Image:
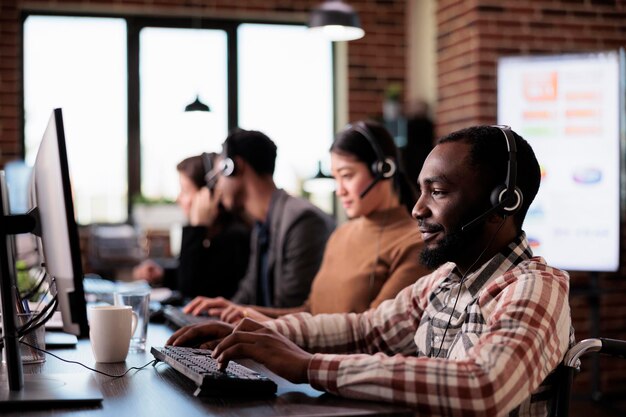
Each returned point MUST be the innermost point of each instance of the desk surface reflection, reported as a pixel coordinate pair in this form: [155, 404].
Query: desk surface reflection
[161, 391]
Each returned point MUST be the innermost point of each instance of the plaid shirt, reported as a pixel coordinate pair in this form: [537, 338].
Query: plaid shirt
[510, 328]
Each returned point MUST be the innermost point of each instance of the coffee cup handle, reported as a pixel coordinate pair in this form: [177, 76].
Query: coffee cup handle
[135, 320]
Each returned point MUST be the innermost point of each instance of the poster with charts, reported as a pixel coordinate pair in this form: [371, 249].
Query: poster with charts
[568, 107]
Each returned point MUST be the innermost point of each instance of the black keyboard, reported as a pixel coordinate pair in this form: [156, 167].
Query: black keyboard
[175, 316]
[202, 369]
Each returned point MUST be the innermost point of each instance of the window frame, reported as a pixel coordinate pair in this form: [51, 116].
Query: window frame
[134, 25]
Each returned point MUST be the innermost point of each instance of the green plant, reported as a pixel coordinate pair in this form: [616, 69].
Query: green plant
[25, 280]
[141, 199]
[393, 92]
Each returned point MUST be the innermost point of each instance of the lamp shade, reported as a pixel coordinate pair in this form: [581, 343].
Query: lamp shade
[320, 183]
[197, 105]
[336, 20]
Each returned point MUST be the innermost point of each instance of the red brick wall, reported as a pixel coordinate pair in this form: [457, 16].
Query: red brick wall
[375, 61]
[471, 36]
[10, 64]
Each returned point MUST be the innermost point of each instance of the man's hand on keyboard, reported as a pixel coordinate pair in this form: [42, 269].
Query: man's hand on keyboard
[205, 336]
[212, 306]
[251, 340]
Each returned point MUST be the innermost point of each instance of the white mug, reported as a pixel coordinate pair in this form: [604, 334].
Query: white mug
[110, 329]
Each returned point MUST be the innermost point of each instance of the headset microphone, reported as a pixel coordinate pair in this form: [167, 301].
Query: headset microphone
[469, 225]
[370, 186]
[507, 198]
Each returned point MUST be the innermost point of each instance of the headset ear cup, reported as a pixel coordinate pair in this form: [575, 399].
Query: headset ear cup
[385, 168]
[497, 195]
[519, 200]
[389, 168]
[228, 167]
[375, 168]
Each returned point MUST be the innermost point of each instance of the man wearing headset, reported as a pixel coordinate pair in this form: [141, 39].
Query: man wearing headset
[480, 335]
[290, 234]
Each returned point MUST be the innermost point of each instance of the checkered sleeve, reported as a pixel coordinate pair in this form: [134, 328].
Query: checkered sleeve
[389, 328]
[525, 335]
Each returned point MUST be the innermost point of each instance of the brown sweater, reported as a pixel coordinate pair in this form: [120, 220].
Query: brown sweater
[386, 244]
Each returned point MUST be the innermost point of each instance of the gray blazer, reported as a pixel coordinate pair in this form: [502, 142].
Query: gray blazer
[298, 234]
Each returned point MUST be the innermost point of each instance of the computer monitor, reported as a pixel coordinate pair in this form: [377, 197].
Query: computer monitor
[53, 220]
[51, 197]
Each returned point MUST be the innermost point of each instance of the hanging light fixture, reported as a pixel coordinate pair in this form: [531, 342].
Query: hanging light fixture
[197, 105]
[336, 20]
[320, 183]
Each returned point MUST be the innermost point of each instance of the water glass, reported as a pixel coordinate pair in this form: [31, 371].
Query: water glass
[139, 301]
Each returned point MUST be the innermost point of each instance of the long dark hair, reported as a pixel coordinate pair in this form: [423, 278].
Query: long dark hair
[193, 168]
[352, 142]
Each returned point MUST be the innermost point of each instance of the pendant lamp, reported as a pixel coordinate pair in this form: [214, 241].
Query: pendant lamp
[336, 20]
[320, 183]
[197, 105]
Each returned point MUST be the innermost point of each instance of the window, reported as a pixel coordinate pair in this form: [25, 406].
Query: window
[170, 78]
[79, 64]
[286, 91]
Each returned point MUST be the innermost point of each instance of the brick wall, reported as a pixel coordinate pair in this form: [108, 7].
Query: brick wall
[10, 64]
[471, 36]
[375, 61]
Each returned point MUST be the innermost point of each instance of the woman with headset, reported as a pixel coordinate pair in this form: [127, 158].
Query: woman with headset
[371, 257]
[215, 243]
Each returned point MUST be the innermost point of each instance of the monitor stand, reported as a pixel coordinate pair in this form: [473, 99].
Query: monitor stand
[47, 390]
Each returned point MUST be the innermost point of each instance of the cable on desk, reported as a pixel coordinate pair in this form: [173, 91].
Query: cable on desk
[39, 320]
[152, 362]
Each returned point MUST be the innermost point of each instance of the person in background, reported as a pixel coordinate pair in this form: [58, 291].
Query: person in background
[375, 254]
[481, 335]
[420, 135]
[289, 235]
[215, 243]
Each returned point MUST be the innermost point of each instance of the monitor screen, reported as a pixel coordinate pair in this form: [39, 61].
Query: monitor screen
[51, 195]
[569, 108]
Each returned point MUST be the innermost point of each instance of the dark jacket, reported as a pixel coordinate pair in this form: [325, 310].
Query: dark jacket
[212, 266]
[298, 234]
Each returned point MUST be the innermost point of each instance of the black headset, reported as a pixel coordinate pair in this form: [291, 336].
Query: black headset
[507, 198]
[228, 167]
[384, 167]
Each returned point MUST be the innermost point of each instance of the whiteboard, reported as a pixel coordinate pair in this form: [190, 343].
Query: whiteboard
[568, 107]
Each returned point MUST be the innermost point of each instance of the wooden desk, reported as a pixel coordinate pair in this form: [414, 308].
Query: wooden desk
[161, 391]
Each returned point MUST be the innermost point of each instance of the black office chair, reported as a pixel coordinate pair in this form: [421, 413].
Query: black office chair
[571, 365]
